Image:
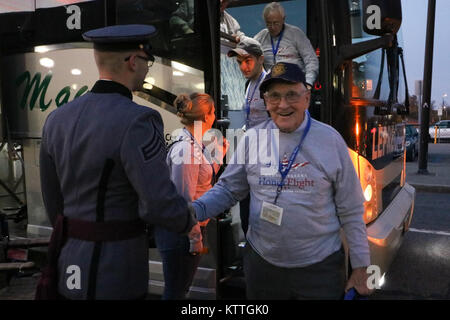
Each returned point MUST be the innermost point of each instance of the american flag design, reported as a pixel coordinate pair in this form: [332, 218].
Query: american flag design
[285, 163]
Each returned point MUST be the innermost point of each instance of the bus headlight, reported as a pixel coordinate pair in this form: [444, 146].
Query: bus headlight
[369, 185]
[368, 193]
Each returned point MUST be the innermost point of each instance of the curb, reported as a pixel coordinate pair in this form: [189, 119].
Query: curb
[431, 187]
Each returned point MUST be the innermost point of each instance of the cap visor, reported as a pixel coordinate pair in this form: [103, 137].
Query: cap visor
[264, 86]
[237, 52]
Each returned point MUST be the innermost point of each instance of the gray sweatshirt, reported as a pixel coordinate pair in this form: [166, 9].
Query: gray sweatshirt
[294, 47]
[322, 193]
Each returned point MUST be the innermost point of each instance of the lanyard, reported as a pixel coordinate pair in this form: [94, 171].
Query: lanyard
[284, 172]
[275, 49]
[213, 179]
[248, 100]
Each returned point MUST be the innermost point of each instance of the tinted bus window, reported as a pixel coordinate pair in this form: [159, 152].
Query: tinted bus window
[22, 31]
[370, 70]
[179, 35]
[179, 45]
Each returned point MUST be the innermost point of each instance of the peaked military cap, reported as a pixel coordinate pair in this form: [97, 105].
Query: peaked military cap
[283, 72]
[122, 37]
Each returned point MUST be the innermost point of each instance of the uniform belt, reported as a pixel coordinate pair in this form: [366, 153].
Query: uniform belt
[115, 230]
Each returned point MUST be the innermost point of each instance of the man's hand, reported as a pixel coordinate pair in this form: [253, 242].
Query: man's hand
[225, 147]
[195, 240]
[358, 280]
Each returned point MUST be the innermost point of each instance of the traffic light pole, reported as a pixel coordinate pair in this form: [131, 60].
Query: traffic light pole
[427, 79]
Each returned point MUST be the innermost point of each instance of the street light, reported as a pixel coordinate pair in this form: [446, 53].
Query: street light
[443, 105]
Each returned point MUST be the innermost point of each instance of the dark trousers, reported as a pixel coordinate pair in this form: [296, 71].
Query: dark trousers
[179, 266]
[323, 280]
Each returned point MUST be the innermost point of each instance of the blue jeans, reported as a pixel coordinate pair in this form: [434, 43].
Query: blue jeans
[179, 266]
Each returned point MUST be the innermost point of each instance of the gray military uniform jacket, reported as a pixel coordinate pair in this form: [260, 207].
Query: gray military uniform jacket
[77, 140]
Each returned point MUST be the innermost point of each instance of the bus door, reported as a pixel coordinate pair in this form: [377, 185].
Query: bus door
[248, 15]
[361, 91]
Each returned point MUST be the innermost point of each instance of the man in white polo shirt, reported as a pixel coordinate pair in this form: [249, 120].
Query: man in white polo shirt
[282, 42]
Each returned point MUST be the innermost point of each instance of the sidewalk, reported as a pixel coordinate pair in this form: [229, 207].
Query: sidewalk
[438, 179]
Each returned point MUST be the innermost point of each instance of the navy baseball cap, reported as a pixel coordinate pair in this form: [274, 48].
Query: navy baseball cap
[283, 72]
[246, 47]
[122, 37]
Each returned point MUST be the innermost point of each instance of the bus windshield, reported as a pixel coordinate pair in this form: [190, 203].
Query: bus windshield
[179, 45]
[370, 72]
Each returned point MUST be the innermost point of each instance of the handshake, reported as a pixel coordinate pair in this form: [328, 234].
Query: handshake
[195, 241]
[195, 236]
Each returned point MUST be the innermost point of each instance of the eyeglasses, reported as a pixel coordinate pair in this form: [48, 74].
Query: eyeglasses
[273, 24]
[290, 96]
[150, 60]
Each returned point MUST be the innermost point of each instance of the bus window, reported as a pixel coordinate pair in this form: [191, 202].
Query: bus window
[175, 71]
[179, 37]
[46, 23]
[366, 72]
[370, 74]
[368, 67]
[173, 78]
[182, 21]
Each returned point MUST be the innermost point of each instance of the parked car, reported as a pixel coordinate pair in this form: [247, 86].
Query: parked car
[411, 143]
[443, 130]
[399, 139]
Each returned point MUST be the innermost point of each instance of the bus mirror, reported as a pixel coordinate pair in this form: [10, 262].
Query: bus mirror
[382, 17]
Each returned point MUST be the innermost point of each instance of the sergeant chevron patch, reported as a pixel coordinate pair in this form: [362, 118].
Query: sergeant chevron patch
[153, 148]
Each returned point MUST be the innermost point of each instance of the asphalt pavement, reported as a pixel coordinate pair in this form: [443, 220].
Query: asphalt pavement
[421, 269]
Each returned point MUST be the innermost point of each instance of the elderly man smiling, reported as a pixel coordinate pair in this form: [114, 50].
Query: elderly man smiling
[294, 249]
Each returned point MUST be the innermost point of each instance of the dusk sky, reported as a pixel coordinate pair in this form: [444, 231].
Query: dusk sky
[414, 26]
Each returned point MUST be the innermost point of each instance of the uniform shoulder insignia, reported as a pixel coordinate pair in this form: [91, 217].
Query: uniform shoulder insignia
[154, 147]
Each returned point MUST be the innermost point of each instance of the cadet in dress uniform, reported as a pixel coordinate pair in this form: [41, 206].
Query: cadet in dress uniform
[103, 174]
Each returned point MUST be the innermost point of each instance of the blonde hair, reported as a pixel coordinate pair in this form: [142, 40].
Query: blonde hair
[193, 107]
[110, 61]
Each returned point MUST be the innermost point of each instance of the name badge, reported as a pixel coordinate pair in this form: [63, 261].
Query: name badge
[271, 213]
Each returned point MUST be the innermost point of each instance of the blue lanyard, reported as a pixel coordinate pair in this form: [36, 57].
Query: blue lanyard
[284, 172]
[275, 50]
[213, 179]
[249, 101]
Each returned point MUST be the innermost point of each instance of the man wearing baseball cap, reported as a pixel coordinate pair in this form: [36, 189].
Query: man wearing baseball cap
[104, 177]
[303, 190]
[249, 56]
